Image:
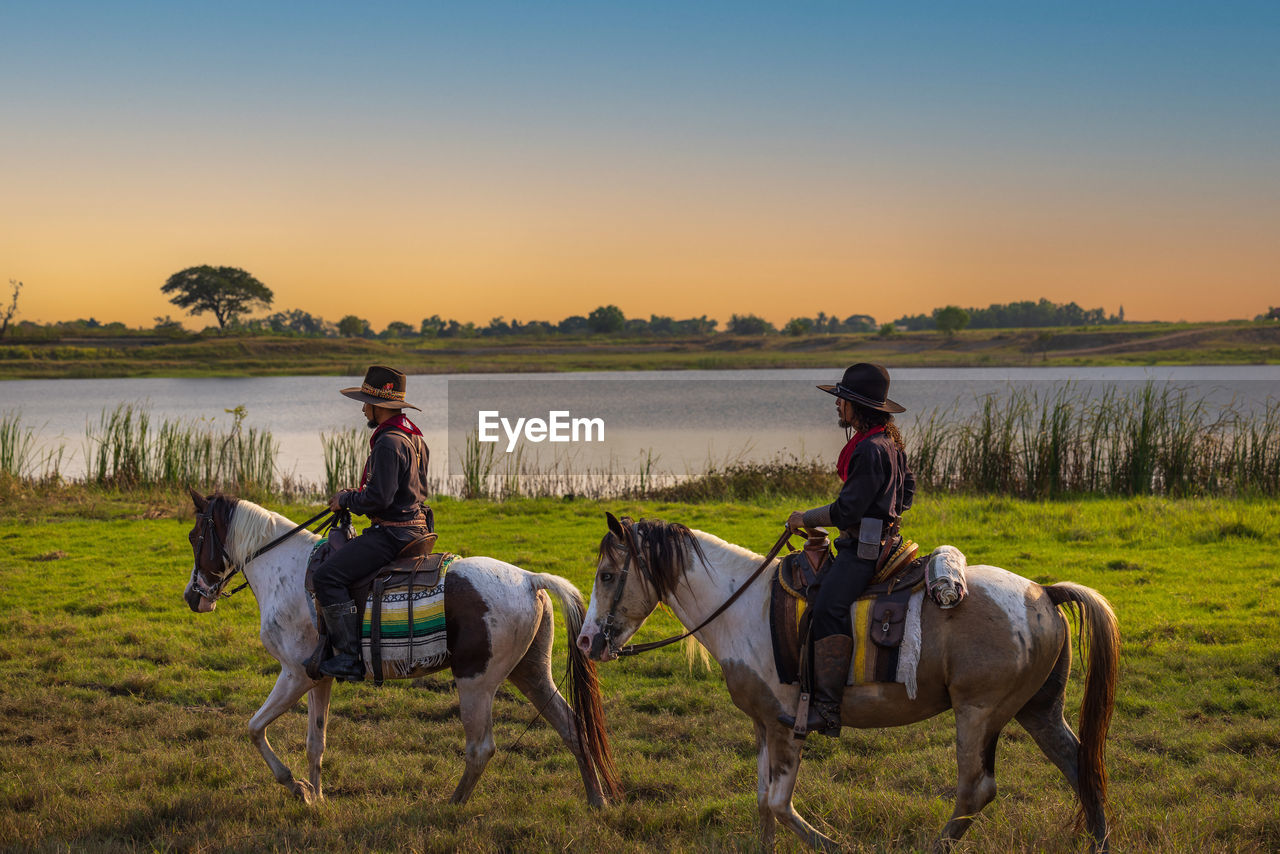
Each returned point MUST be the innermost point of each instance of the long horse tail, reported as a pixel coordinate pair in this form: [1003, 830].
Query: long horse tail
[584, 686]
[1100, 631]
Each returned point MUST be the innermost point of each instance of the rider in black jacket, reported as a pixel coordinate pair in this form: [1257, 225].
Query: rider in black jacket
[392, 493]
[878, 488]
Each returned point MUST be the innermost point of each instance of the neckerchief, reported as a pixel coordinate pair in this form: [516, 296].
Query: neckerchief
[846, 454]
[399, 422]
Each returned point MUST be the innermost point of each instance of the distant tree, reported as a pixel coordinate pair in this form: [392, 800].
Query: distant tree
[354, 327]
[168, 326]
[1272, 314]
[951, 319]
[397, 329]
[227, 292]
[574, 324]
[749, 324]
[12, 308]
[431, 326]
[859, 323]
[298, 322]
[887, 330]
[700, 325]
[606, 319]
[798, 326]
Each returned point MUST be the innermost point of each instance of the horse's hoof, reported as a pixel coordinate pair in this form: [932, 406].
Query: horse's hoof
[303, 791]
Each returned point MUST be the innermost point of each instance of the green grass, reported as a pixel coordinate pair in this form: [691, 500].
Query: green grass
[122, 714]
[1233, 342]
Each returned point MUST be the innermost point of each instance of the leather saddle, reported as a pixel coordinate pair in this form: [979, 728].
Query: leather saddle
[898, 568]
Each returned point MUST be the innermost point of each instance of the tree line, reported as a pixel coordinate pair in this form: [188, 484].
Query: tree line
[229, 294]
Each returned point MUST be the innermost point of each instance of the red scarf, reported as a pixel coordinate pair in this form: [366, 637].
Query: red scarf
[846, 455]
[398, 422]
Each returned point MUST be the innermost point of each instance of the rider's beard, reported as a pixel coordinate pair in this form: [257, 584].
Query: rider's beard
[373, 425]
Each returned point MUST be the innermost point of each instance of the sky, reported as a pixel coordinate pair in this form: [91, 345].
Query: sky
[532, 161]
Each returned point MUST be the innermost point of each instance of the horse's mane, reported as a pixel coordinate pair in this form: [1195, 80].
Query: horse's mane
[666, 548]
[248, 525]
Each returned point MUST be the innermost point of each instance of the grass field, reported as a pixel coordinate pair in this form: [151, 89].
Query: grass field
[122, 714]
[1229, 343]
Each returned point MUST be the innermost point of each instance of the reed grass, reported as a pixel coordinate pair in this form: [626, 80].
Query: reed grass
[124, 450]
[17, 446]
[344, 456]
[1158, 441]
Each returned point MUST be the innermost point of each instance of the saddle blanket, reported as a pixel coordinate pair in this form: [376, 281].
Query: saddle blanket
[412, 630]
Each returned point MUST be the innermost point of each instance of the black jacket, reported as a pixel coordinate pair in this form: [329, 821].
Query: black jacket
[879, 484]
[394, 486]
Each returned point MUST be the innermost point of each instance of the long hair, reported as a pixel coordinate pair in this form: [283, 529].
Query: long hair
[866, 418]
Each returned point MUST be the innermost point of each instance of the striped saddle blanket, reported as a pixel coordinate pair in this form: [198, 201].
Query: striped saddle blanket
[404, 626]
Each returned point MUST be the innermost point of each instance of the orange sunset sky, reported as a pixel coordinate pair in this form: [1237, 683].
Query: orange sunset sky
[535, 161]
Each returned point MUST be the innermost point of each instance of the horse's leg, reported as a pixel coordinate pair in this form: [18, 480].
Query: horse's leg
[977, 731]
[288, 689]
[767, 826]
[532, 675]
[475, 697]
[317, 725]
[1044, 719]
[784, 766]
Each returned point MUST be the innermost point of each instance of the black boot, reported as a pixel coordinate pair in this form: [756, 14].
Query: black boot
[831, 657]
[347, 663]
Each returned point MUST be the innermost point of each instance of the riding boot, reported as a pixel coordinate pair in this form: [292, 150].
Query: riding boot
[831, 656]
[347, 663]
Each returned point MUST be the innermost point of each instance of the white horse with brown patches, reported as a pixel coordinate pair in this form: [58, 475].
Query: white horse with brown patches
[1004, 654]
[498, 627]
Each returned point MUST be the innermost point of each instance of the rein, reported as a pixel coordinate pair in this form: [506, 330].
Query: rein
[634, 551]
[216, 591]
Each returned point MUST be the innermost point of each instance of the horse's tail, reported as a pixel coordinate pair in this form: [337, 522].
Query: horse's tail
[584, 686]
[1099, 629]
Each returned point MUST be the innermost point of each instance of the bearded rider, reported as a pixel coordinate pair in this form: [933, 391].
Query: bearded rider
[878, 488]
[392, 493]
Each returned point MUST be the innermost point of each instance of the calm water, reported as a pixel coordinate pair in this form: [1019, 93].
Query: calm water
[681, 420]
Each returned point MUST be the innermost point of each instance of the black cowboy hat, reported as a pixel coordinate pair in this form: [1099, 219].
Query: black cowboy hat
[866, 384]
[382, 386]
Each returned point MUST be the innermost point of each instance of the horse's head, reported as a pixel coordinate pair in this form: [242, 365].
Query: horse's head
[639, 565]
[208, 539]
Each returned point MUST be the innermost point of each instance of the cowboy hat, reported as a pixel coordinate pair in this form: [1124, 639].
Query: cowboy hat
[382, 386]
[866, 384]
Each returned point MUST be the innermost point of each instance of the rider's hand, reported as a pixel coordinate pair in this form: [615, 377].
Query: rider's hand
[333, 502]
[796, 520]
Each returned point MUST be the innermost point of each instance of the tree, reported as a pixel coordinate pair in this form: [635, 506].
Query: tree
[227, 292]
[798, 326]
[606, 319]
[749, 324]
[354, 327]
[397, 329]
[951, 319]
[12, 309]
[431, 326]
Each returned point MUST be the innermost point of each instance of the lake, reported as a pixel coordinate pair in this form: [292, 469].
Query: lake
[677, 422]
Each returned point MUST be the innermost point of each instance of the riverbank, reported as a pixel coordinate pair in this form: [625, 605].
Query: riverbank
[122, 726]
[1236, 343]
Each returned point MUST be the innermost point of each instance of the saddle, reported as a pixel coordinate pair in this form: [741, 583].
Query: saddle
[878, 616]
[416, 566]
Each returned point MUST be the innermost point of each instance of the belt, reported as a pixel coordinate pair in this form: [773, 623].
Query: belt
[416, 522]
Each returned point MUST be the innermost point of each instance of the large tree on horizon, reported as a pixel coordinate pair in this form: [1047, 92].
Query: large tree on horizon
[227, 292]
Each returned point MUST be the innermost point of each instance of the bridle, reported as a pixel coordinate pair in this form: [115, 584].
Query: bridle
[208, 529]
[609, 627]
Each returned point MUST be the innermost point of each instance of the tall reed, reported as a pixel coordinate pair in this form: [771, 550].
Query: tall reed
[344, 456]
[17, 446]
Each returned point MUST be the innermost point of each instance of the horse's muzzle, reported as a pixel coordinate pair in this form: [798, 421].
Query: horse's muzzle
[196, 602]
[594, 646]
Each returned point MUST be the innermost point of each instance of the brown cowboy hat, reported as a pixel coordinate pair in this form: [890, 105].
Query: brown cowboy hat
[866, 384]
[382, 386]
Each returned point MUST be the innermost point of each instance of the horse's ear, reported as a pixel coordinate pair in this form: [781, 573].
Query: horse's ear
[199, 500]
[615, 526]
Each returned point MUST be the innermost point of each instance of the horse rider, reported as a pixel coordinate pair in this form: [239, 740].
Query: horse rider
[392, 493]
[878, 488]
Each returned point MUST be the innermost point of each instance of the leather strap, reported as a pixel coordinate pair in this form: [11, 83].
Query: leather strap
[637, 648]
